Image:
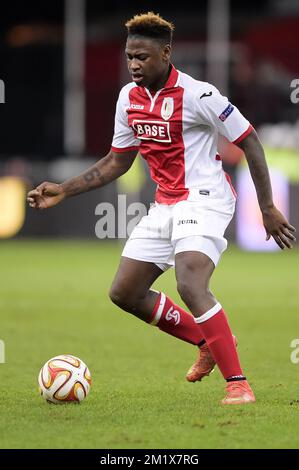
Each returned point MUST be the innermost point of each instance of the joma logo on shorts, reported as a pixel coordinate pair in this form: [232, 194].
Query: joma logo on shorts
[187, 221]
[152, 130]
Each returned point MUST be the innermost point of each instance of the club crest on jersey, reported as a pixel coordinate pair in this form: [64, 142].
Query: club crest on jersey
[152, 130]
[167, 108]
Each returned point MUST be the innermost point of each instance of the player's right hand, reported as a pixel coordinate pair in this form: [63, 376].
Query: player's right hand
[45, 195]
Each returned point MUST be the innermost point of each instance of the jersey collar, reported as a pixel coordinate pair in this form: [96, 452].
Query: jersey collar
[173, 78]
[172, 81]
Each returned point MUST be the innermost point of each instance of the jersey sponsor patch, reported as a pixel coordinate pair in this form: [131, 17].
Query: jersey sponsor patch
[152, 130]
[228, 110]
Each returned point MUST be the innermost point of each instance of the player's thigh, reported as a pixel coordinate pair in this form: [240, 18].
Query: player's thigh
[196, 258]
[134, 278]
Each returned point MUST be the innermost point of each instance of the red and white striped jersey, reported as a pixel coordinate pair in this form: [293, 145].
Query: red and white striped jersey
[176, 130]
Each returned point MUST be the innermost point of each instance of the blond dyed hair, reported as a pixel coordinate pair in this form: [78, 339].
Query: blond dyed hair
[150, 25]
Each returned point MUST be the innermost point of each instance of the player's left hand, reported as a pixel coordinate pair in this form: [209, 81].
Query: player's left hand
[277, 226]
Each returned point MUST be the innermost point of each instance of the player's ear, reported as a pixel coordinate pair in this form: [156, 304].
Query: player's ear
[166, 52]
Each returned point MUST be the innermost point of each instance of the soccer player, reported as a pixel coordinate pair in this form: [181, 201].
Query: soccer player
[174, 120]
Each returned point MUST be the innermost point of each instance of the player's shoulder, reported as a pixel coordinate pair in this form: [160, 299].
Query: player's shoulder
[125, 90]
[197, 87]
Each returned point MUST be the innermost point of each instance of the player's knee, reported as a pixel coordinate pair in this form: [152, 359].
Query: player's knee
[192, 295]
[117, 296]
[185, 291]
[121, 298]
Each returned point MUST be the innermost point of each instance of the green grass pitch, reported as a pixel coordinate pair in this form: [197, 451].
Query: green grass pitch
[54, 300]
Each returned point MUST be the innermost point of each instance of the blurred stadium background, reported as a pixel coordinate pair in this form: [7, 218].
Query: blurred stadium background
[61, 67]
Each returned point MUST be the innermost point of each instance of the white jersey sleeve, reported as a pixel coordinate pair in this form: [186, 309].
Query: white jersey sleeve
[216, 111]
[123, 138]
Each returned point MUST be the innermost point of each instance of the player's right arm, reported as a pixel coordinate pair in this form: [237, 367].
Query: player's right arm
[117, 162]
[109, 168]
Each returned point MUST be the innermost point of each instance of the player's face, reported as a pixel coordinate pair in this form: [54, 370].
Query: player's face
[148, 62]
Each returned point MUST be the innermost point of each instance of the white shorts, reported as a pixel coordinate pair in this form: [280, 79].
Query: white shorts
[197, 224]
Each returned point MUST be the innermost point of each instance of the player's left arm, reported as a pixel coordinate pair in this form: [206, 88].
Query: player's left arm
[215, 110]
[276, 225]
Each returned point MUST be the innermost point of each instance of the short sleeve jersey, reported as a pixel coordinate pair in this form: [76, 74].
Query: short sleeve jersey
[176, 131]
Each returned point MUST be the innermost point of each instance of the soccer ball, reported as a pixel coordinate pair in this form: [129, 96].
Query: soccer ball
[64, 379]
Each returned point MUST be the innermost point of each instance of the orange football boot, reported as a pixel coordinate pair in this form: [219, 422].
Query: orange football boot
[238, 392]
[204, 365]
